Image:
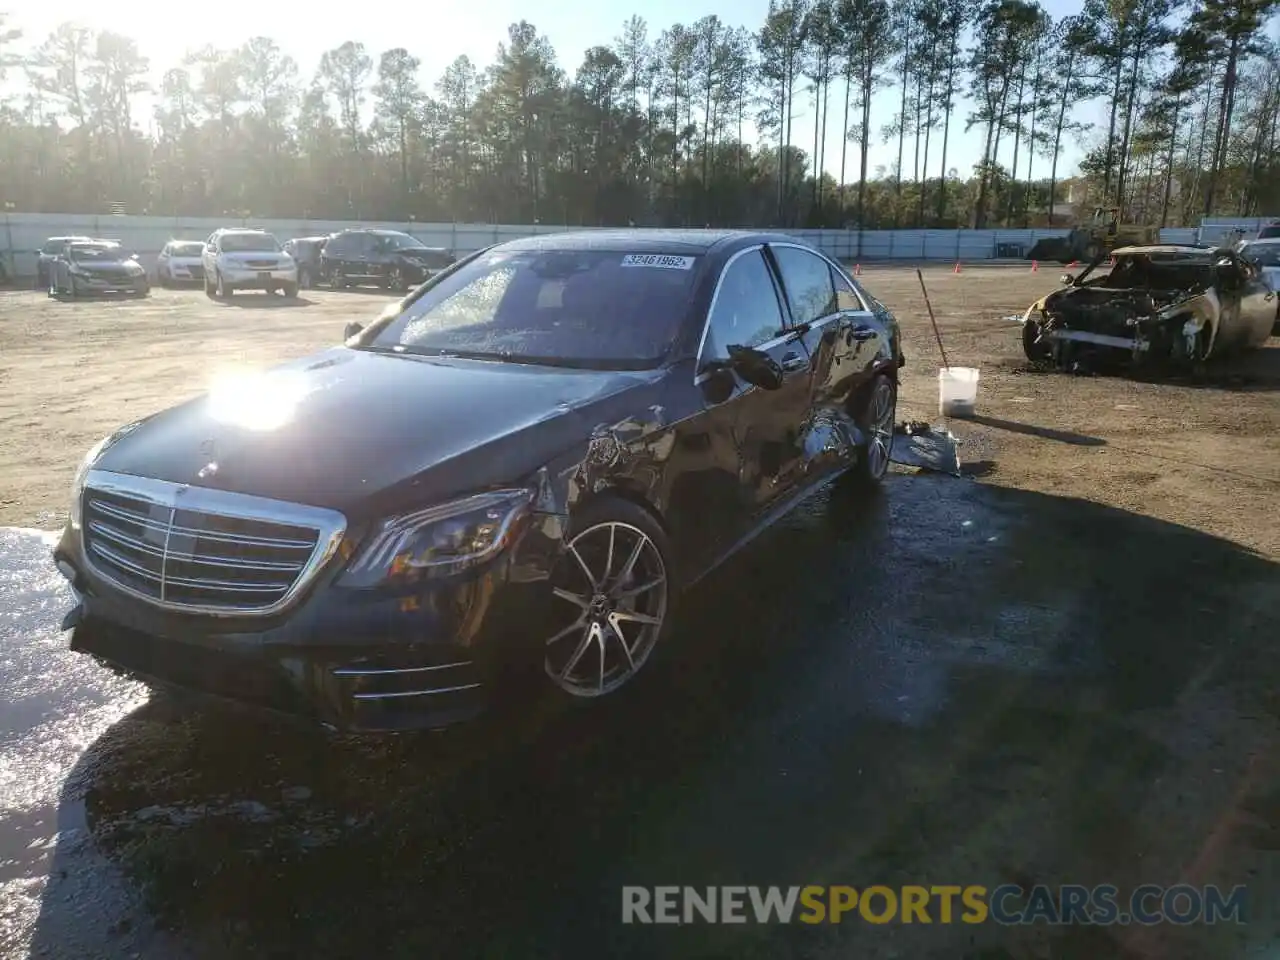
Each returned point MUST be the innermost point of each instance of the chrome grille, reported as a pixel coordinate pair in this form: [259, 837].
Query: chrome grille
[262, 264]
[203, 550]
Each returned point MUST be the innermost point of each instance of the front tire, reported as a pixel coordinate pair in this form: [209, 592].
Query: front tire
[1036, 350]
[613, 585]
[877, 423]
[290, 290]
[222, 289]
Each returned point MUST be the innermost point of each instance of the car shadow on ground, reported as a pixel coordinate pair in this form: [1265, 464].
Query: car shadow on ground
[1046, 433]
[1252, 371]
[377, 291]
[948, 683]
[264, 301]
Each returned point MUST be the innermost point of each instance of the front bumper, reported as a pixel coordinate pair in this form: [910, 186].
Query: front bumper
[253, 279]
[1133, 344]
[123, 284]
[184, 272]
[350, 660]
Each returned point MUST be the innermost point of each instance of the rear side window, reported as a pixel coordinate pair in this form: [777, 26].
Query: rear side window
[806, 278]
[847, 296]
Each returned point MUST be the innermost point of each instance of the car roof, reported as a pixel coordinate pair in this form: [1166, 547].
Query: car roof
[644, 240]
[241, 230]
[64, 239]
[1184, 248]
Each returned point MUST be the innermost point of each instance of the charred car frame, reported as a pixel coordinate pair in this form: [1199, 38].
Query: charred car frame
[1154, 305]
[522, 461]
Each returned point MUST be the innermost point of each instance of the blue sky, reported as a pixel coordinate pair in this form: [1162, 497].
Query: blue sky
[437, 32]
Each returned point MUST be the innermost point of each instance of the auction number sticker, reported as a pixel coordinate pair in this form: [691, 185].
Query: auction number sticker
[661, 260]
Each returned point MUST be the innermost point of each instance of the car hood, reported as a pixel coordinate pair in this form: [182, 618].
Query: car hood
[369, 433]
[108, 266]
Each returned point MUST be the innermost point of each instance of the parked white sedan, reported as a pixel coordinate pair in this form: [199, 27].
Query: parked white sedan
[180, 261]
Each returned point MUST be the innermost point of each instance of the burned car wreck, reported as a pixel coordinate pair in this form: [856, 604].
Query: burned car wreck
[1152, 305]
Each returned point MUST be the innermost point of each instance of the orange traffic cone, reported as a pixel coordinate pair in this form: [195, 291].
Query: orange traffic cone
[857, 269]
[957, 269]
[1035, 266]
[1073, 263]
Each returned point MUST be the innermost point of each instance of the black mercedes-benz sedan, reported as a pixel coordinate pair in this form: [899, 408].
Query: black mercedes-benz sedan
[521, 462]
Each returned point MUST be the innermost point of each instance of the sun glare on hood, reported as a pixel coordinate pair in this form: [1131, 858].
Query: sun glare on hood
[256, 401]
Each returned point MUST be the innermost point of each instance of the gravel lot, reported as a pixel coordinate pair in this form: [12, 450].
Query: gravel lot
[1061, 670]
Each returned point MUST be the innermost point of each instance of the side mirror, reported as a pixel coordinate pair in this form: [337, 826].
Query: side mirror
[1067, 279]
[351, 329]
[756, 367]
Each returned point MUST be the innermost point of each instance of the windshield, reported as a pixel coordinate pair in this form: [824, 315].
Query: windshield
[95, 251]
[249, 243]
[589, 308]
[188, 249]
[1263, 254]
[398, 241]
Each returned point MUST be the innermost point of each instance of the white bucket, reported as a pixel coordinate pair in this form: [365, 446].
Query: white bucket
[957, 391]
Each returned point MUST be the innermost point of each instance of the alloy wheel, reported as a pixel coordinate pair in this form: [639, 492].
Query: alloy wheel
[614, 576]
[880, 414]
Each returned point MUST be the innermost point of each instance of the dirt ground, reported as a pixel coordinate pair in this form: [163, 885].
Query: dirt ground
[1206, 456]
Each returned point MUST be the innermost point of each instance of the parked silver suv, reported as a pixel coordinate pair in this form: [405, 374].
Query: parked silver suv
[246, 259]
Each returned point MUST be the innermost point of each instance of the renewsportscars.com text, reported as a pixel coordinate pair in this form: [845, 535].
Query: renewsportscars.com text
[1008, 904]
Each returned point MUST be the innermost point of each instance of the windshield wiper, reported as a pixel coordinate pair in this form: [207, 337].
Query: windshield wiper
[509, 356]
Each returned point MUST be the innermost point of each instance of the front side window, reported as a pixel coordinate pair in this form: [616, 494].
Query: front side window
[806, 277]
[746, 312]
[1263, 254]
[589, 308]
[398, 241]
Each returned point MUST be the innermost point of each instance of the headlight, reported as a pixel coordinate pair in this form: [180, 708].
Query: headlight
[441, 539]
[82, 474]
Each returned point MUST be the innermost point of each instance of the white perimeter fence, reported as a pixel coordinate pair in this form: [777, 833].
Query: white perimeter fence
[21, 234]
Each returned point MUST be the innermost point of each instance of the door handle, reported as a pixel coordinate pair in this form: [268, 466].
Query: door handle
[862, 333]
[793, 361]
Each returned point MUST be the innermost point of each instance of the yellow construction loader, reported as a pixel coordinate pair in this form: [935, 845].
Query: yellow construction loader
[1102, 234]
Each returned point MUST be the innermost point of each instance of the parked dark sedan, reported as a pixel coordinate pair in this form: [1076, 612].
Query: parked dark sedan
[95, 267]
[389, 258]
[522, 462]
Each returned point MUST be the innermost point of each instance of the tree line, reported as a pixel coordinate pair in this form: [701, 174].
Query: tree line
[656, 128]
